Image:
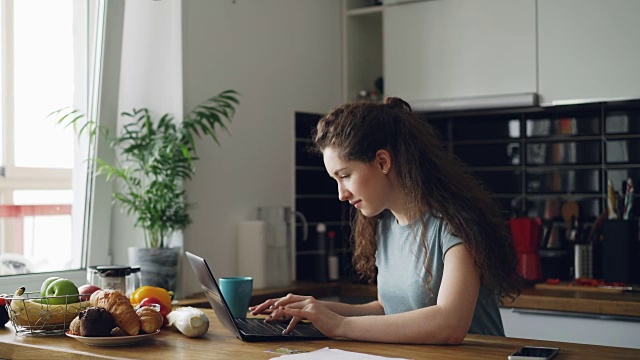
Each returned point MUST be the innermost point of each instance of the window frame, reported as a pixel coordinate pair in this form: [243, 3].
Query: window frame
[100, 102]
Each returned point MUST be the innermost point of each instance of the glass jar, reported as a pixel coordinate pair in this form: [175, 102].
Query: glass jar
[111, 277]
[134, 280]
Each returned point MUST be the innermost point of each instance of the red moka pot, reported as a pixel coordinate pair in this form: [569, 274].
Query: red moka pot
[526, 233]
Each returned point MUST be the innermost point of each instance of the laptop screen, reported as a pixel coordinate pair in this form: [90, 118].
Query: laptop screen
[212, 291]
[252, 329]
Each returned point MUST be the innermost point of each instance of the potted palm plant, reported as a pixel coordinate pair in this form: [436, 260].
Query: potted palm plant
[153, 160]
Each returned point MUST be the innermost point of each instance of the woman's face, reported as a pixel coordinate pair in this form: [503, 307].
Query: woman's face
[364, 185]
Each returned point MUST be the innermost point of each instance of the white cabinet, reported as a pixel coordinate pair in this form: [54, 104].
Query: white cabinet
[588, 50]
[459, 48]
[570, 327]
[363, 46]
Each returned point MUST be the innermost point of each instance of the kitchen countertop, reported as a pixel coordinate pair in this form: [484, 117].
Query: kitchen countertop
[626, 304]
[219, 343]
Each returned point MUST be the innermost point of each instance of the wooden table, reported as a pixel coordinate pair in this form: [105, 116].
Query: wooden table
[219, 343]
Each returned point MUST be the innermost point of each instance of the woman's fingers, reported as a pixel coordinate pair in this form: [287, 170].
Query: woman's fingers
[273, 315]
[264, 308]
[290, 299]
[268, 306]
[276, 314]
[294, 321]
[283, 313]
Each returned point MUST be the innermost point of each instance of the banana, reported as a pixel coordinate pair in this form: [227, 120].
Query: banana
[28, 313]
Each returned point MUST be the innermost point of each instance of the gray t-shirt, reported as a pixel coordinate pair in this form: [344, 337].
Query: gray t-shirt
[402, 276]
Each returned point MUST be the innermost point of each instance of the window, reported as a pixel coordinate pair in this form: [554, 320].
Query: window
[52, 58]
[37, 160]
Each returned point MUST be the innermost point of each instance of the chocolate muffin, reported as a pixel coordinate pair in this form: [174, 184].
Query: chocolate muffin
[94, 321]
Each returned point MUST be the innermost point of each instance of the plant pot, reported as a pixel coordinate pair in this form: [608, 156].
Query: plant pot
[159, 267]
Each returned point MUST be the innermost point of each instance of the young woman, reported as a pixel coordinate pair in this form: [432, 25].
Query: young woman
[425, 228]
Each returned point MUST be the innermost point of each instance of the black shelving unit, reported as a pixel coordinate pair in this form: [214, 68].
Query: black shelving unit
[317, 198]
[532, 159]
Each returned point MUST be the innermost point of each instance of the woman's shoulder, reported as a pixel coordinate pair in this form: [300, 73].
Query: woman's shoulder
[432, 219]
[436, 224]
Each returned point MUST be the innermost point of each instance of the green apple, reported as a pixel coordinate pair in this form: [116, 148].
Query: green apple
[46, 283]
[62, 287]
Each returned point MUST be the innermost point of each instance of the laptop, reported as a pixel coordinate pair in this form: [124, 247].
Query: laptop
[249, 329]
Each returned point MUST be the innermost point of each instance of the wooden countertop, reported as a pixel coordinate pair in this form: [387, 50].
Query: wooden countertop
[625, 304]
[578, 301]
[219, 343]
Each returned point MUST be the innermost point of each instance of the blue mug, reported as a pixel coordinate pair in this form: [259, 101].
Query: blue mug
[236, 291]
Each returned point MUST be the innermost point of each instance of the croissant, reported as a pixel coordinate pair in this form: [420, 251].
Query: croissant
[150, 319]
[120, 308]
[74, 327]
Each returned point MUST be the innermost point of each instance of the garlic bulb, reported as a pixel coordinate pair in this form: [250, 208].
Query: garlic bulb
[190, 321]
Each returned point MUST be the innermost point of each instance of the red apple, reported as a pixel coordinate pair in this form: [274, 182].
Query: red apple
[4, 316]
[86, 291]
[164, 310]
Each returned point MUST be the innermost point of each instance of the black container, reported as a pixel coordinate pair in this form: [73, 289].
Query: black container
[555, 264]
[620, 251]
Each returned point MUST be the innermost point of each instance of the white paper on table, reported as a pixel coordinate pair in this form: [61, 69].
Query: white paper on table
[334, 354]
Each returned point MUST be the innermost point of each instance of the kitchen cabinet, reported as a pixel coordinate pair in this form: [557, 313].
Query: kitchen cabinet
[571, 327]
[362, 46]
[459, 48]
[588, 50]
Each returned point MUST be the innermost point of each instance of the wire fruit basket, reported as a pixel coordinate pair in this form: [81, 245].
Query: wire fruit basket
[31, 314]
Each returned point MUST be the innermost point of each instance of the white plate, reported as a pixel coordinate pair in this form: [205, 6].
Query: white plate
[111, 340]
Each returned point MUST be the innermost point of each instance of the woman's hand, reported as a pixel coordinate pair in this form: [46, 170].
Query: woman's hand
[297, 308]
[269, 306]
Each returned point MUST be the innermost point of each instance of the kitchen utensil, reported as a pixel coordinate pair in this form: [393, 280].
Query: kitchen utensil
[526, 237]
[611, 201]
[583, 261]
[551, 238]
[111, 340]
[620, 251]
[134, 281]
[620, 205]
[237, 293]
[628, 199]
[112, 277]
[570, 209]
[526, 233]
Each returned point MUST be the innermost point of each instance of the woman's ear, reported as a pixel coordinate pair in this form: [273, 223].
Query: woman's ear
[383, 160]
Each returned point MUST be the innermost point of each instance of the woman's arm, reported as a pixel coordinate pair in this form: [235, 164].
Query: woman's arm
[447, 322]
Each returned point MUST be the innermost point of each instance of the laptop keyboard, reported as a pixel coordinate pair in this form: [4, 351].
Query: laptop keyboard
[258, 326]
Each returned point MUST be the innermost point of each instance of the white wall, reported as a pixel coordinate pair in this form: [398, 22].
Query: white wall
[282, 55]
[151, 76]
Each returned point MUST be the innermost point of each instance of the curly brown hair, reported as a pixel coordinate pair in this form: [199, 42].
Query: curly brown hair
[431, 179]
